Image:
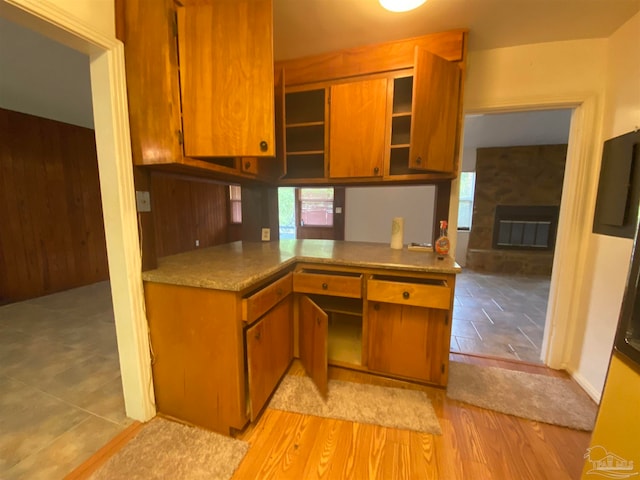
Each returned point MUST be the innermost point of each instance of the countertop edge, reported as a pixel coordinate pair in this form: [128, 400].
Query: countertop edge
[153, 276]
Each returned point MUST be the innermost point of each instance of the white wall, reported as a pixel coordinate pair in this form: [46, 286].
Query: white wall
[369, 211]
[43, 78]
[610, 256]
[99, 14]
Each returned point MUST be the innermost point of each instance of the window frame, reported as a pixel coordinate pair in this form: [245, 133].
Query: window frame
[466, 199]
[300, 201]
[232, 202]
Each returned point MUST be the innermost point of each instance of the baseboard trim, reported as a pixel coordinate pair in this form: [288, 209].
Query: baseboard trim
[99, 458]
[595, 395]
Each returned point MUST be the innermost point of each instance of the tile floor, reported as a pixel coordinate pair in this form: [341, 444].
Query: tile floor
[61, 393]
[500, 315]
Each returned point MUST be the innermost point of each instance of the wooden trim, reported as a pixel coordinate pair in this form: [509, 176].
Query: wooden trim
[372, 58]
[95, 461]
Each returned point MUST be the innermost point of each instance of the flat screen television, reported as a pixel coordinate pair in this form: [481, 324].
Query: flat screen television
[627, 340]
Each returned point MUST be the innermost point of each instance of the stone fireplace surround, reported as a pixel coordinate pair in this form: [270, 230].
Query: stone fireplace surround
[523, 175]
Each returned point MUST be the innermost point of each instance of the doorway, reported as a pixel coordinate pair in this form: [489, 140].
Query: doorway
[82, 29]
[60, 366]
[502, 295]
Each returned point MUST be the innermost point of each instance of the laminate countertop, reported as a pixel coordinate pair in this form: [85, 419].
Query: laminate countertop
[239, 265]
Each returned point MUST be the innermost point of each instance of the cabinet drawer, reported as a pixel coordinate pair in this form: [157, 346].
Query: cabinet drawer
[416, 292]
[328, 283]
[260, 302]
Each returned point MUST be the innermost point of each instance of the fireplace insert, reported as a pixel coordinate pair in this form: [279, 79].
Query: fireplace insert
[525, 227]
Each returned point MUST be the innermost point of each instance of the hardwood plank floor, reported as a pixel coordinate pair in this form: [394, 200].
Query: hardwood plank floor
[475, 443]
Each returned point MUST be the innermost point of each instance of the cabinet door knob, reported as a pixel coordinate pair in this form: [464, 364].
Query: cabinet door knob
[263, 146]
[419, 160]
[318, 320]
[405, 295]
[247, 165]
[376, 307]
[325, 286]
[257, 335]
[376, 170]
[279, 291]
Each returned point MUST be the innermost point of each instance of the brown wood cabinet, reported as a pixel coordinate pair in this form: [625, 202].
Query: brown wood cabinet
[366, 120]
[409, 327]
[202, 372]
[357, 125]
[389, 323]
[226, 78]
[200, 81]
[269, 353]
[217, 355]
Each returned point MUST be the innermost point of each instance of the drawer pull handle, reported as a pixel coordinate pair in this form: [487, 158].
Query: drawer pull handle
[263, 146]
[279, 291]
[247, 165]
[419, 160]
[325, 286]
[405, 295]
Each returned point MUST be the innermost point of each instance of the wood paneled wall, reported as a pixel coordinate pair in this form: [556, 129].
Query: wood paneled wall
[50, 209]
[186, 209]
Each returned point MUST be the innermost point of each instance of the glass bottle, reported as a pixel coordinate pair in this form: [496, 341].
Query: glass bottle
[442, 243]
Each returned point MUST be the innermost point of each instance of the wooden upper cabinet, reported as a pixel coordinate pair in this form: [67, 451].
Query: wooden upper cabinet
[357, 126]
[151, 61]
[227, 78]
[435, 113]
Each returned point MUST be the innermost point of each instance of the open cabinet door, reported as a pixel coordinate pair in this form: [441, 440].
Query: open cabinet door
[436, 109]
[314, 325]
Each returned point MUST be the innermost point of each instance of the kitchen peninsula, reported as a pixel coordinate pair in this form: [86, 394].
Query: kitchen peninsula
[226, 321]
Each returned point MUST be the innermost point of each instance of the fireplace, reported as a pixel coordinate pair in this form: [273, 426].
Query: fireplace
[525, 227]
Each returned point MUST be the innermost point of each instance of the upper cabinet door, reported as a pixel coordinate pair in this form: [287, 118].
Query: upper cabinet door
[357, 126]
[435, 113]
[226, 78]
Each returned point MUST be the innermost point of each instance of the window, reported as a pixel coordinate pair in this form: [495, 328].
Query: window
[465, 208]
[235, 204]
[316, 207]
[287, 212]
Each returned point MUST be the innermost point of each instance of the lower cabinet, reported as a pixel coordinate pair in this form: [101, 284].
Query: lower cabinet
[392, 324]
[409, 342]
[269, 353]
[409, 327]
[218, 355]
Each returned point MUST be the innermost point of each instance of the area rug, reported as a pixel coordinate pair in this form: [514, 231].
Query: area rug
[536, 397]
[165, 449]
[356, 402]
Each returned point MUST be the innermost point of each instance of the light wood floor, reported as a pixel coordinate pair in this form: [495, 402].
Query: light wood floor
[476, 443]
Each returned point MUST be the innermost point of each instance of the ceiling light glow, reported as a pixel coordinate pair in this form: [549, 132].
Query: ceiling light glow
[401, 5]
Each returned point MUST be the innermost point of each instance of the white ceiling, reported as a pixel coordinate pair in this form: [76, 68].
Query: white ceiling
[304, 27]
[543, 127]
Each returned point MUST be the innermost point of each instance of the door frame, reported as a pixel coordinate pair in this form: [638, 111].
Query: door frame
[115, 165]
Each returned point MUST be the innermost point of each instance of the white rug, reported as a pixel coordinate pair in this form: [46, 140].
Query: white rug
[164, 449]
[558, 401]
[356, 402]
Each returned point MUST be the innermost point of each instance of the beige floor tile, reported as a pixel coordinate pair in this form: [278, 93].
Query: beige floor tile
[66, 452]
